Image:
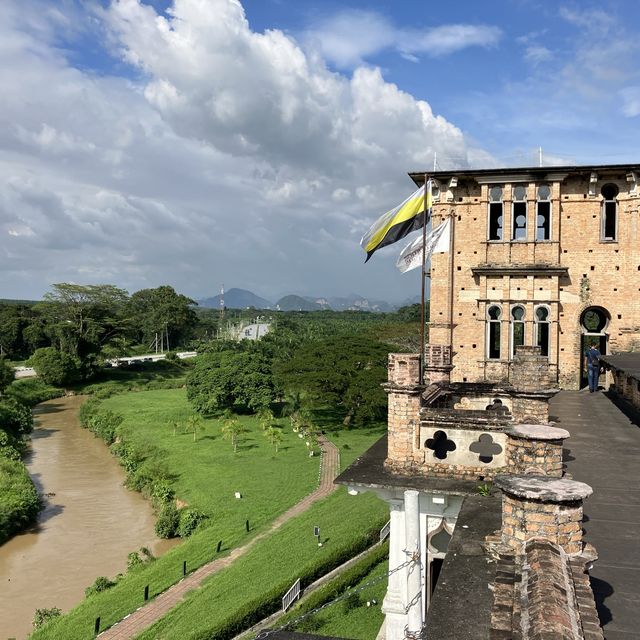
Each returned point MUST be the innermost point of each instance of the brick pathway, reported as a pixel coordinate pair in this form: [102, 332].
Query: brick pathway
[144, 617]
[604, 452]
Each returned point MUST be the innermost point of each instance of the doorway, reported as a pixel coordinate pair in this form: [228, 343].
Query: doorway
[593, 325]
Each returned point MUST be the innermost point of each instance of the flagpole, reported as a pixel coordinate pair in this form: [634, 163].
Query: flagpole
[423, 278]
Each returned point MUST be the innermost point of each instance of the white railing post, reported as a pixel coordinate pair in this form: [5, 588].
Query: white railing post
[291, 595]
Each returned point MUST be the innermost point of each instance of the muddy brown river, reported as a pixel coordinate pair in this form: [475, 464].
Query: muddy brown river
[89, 525]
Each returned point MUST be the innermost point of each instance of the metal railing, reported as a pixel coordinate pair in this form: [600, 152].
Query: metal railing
[291, 595]
[384, 532]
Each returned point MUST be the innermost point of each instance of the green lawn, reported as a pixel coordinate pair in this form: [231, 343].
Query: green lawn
[267, 571]
[206, 475]
[207, 472]
[352, 618]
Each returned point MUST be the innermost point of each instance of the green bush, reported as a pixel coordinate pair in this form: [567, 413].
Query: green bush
[190, 519]
[32, 391]
[19, 500]
[104, 423]
[89, 408]
[56, 367]
[352, 601]
[42, 616]
[168, 521]
[101, 583]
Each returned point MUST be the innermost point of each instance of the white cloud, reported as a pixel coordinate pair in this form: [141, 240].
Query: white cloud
[351, 36]
[535, 54]
[630, 101]
[222, 164]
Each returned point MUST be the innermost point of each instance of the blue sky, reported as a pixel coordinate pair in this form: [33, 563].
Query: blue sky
[197, 142]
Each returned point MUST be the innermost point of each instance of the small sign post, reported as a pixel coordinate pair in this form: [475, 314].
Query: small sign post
[316, 533]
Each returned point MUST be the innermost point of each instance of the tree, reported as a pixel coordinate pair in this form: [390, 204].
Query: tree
[344, 372]
[55, 367]
[194, 424]
[274, 436]
[232, 429]
[266, 418]
[222, 380]
[81, 319]
[7, 374]
[162, 311]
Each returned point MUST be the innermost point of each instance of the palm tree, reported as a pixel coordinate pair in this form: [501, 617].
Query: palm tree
[266, 418]
[232, 429]
[274, 435]
[194, 423]
[293, 402]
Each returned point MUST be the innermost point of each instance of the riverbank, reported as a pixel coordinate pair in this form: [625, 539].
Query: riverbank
[88, 526]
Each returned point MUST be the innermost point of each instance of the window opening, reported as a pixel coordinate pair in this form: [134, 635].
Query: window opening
[493, 332]
[495, 213]
[519, 213]
[609, 212]
[543, 213]
[517, 328]
[542, 330]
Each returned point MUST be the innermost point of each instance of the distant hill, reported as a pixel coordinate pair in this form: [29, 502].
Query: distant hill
[237, 299]
[298, 303]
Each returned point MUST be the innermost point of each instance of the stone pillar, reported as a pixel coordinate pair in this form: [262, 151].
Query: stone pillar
[393, 604]
[414, 571]
[534, 449]
[437, 363]
[404, 390]
[542, 507]
[529, 370]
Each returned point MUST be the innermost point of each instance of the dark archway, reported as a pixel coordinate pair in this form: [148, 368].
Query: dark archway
[593, 327]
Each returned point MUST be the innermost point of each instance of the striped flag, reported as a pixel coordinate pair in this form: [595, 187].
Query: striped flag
[437, 241]
[397, 223]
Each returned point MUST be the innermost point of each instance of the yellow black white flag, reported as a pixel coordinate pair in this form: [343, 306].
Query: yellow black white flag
[437, 241]
[397, 223]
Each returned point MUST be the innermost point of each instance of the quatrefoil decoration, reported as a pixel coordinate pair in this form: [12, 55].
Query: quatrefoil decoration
[440, 445]
[486, 448]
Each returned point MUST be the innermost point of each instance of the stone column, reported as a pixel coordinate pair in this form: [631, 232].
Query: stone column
[404, 390]
[414, 571]
[393, 604]
[542, 507]
[535, 449]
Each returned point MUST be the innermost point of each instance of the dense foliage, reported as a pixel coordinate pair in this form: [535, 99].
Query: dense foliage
[19, 500]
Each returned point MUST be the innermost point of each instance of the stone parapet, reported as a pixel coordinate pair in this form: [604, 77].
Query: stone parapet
[542, 507]
[535, 449]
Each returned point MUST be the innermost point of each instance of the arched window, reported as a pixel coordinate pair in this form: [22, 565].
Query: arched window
[517, 328]
[609, 214]
[541, 337]
[519, 213]
[493, 331]
[543, 213]
[495, 213]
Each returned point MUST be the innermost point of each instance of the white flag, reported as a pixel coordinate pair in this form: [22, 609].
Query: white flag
[437, 241]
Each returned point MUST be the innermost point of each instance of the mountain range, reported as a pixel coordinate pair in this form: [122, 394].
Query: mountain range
[241, 299]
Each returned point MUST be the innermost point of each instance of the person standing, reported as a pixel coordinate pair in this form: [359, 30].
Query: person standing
[592, 362]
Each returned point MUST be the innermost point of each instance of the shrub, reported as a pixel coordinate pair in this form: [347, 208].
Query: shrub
[56, 367]
[168, 521]
[162, 492]
[190, 519]
[104, 423]
[139, 558]
[352, 601]
[88, 409]
[101, 583]
[19, 500]
[32, 391]
[42, 616]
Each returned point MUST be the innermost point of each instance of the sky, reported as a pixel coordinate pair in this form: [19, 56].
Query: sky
[202, 142]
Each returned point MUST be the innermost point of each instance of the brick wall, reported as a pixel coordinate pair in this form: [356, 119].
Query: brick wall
[535, 449]
[600, 273]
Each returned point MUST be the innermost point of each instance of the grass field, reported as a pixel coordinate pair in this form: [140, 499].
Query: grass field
[353, 618]
[206, 473]
[270, 568]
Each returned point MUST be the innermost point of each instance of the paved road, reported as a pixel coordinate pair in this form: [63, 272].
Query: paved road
[604, 452]
[144, 617]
